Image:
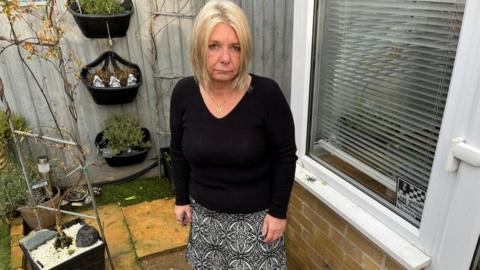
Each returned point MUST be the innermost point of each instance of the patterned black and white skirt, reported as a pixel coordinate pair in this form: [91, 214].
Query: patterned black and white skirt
[220, 241]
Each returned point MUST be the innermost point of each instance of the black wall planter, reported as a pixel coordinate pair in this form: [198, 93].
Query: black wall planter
[111, 95]
[95, 26]
[124, 159]
[91, 259]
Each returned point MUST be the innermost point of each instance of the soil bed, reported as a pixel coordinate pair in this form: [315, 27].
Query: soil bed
[167, 261]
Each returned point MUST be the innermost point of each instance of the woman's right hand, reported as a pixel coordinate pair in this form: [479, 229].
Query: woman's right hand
[183, 214]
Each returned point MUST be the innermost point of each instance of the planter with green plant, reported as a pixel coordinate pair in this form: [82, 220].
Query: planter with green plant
[44, 218]
[123, 141]
[43, 39]
[102, 19]
[13, 189]
[14, 199]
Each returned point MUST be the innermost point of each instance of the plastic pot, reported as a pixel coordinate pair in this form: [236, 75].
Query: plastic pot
[123, 159]
[46, 217]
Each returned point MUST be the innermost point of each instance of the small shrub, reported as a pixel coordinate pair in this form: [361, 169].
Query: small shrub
[124, 134]
[102, 7]
[12, 191]
[18, 122]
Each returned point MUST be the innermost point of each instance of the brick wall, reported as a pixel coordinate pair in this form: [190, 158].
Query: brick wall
[319, 239]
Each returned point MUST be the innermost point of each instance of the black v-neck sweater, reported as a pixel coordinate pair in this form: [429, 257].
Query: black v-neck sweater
[241, 163]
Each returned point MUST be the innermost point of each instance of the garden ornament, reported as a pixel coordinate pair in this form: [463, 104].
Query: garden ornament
[114, 82]
[97, 82]
[86, 236]
[37, 238]
[131, 80]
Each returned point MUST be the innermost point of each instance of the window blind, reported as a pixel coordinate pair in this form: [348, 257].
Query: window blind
[382, 74]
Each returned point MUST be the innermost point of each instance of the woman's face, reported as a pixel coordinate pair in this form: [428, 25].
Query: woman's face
[223, 58]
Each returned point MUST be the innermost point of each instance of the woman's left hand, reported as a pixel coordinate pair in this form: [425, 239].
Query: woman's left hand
[273, 228]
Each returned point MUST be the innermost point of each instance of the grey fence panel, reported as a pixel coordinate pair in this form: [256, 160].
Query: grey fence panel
[157, 41]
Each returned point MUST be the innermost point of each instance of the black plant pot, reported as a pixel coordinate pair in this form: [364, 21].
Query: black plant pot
[165, 159]
[111, 95]
[99, 26]
[123, 159]
[91, 259]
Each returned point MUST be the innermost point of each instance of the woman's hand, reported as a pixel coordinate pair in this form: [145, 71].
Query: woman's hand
[183, 214]
[273, 228]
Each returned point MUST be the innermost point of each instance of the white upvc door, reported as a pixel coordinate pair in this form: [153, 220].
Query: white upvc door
[450, 225]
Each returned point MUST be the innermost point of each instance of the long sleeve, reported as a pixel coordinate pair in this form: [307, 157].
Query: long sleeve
[281, 140]
[181, 169]
[241, 163]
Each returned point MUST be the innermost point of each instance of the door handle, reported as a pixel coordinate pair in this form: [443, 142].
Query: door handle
[461, 151]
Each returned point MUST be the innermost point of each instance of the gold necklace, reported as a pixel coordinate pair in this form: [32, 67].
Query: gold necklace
[218, 108]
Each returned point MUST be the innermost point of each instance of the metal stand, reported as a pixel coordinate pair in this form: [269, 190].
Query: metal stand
[87, 180]
[163, 130]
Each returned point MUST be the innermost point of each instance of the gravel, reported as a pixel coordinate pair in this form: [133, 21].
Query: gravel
[50, 257]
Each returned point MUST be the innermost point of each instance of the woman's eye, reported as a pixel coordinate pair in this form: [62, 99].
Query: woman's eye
[236, 48]
[213, 46]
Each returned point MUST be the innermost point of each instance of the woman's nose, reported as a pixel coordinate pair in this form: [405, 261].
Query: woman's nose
[225, 56]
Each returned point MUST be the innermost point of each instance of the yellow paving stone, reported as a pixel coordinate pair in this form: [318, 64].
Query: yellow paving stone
[115, 228]
[16, 230]
[17, 221]
[16, 257]
[153, 227]
[14, 240]
[126, 261]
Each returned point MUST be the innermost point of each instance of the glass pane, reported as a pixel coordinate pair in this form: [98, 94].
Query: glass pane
[381, 75]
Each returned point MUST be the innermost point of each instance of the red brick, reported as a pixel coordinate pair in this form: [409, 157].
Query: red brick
[296, 202]
[331, 217]
[365, 245]
[302, 220]
[329, 245]
[351, 263]
[313, 216]
[369, 264]
[307, 197]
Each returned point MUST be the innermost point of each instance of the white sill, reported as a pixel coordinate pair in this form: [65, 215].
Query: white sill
[393, 244]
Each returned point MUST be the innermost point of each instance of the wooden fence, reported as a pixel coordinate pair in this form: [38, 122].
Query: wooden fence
[162, 57]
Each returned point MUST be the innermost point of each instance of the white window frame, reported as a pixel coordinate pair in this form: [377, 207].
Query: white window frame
[428, 237]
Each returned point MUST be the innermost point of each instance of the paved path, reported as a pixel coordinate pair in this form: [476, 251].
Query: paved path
[153, 228]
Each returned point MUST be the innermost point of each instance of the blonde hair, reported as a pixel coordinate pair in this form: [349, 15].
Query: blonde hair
[213, 13]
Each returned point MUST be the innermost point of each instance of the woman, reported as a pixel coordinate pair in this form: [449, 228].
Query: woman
[233, 149]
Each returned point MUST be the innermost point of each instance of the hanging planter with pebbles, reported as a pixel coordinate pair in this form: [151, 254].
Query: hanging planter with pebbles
[110, 79]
